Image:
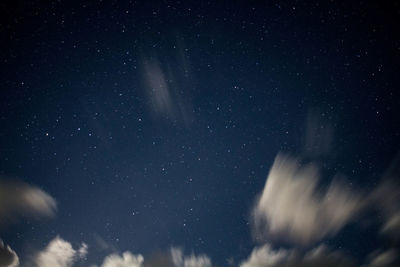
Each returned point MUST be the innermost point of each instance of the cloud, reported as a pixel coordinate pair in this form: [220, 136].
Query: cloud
[323, 256]
[18, 199]
[265, 256]
[158, 89]
[176, 258]
[8, 257]
[159, 259]
[126, 260]
[60, 253]
[181, 260]
[167, 87]
[101, 244]
[392, 225]
[386, 198]
[291, 206]
[82, 251]
[386, 258]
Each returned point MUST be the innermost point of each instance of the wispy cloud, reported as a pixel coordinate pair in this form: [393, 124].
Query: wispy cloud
[181, 260]
[386, 258]
[175, 258]
[167, 85]
[386, 198]
[167, 90]
[127, 259]
[20, 199]
[8, 257]
[292, 207]
[158, 90]
[266, 256]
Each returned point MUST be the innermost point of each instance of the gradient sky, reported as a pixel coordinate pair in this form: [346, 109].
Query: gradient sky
[154, 125]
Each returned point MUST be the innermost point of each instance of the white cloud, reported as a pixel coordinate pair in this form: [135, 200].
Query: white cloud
[192, 260]
[59, 253]
[8, 257]
[126, 260]
[83, 251]
[291, 206]
[18, 199]
[265, 256]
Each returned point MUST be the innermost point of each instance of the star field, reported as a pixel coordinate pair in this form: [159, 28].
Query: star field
[154, 125]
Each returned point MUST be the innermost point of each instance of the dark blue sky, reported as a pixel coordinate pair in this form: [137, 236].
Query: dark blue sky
[155, 123]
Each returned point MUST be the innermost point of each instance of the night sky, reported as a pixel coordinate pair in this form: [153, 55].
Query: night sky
[199, 133]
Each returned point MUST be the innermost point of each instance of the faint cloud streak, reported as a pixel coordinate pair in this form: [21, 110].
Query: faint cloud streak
[265, 256]
[8, 257]
[20, 199]
[181, 260]
[158, 90]
[387, 258]
[386, 198]
[167, 84]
